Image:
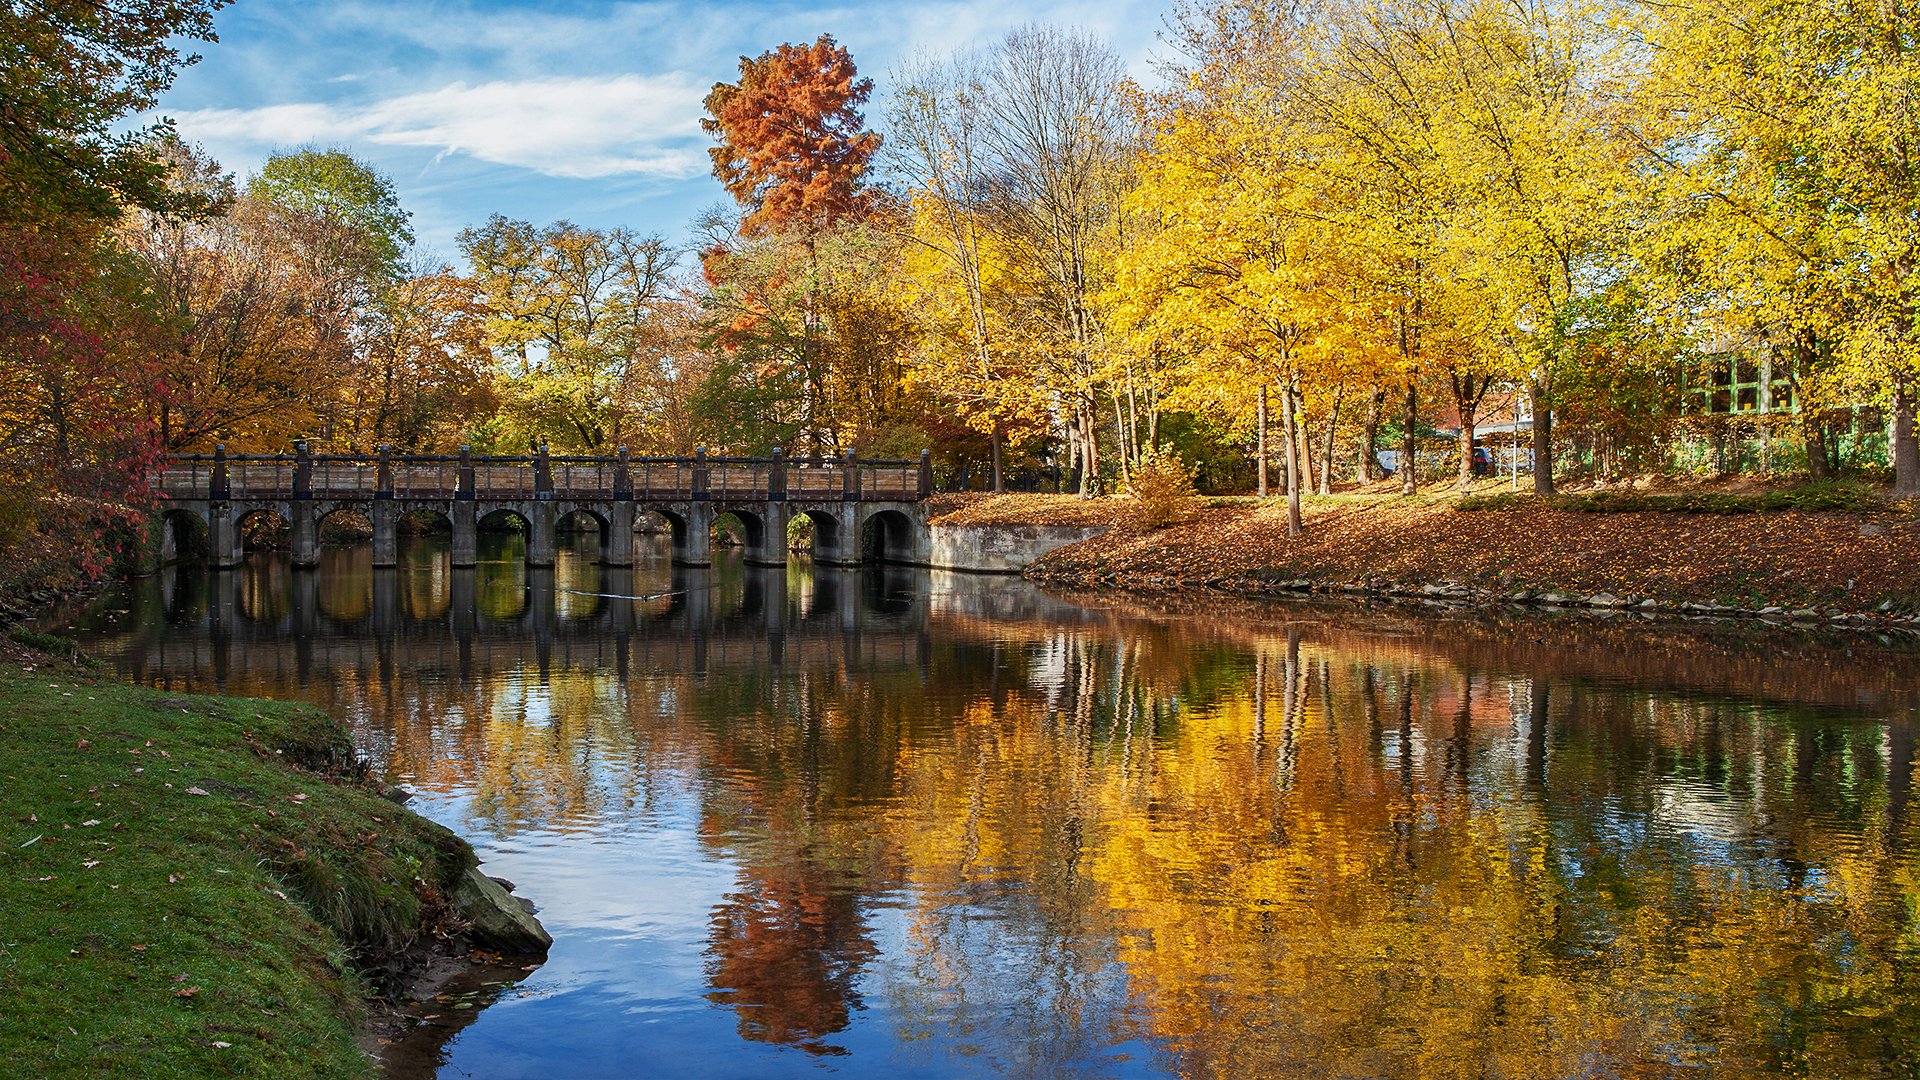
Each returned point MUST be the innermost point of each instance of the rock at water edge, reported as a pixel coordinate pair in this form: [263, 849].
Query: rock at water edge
[497, 920]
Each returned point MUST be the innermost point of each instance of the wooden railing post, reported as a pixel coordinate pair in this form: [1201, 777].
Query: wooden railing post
[926, 474]
[220, 487]
[851, 479]
[701, 492]
[463, 488]
[542, 475]
[302, 470]
[622, 479]
[383, 474]
[777, 477]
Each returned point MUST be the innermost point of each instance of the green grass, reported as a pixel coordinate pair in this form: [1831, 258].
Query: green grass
[179, 872]
[52, 644]
[1846, 496]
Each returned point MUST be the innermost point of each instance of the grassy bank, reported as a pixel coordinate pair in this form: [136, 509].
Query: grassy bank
[1831, 554]
[195, 886]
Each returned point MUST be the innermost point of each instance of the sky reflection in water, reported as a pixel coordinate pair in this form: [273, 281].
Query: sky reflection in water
[907, 824]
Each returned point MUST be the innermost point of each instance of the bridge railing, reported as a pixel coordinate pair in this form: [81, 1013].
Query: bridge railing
[661, 478]
[895, 480]
[444, 476]
[426, 476]
[503, 477]
[583, 477]
[187, 477]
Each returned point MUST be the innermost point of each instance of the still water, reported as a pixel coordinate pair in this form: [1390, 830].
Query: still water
[904, 824]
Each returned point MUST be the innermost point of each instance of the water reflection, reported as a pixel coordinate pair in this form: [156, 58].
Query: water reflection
[899, 824]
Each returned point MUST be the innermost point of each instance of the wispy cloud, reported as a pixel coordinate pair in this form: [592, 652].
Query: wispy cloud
[579, 128]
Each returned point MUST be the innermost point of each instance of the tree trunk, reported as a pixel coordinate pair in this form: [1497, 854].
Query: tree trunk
[1288, 413]
[1466, 452]
[1466, 402]
[999, 460]
[1326, 458]
[1133, 421]
[1409, 432]
[1817, 432]
[1905, 448]
[1260, 453]
[1089, 450]
[1369, 466]
[1122, 443]
[1540, 403]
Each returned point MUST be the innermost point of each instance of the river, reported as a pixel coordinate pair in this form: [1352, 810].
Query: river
[907, 824]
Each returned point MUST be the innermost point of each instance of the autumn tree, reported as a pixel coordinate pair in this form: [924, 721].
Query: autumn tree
[968, 348]
[1016, 158]
[425, 377]
[794, 153]
[1783, 137]
[78, 329]
[347, 195]
[586, 325]
[793, 148]
[70, 72]
[1236, 265]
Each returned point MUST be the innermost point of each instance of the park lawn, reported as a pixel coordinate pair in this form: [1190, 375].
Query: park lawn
[192, 886]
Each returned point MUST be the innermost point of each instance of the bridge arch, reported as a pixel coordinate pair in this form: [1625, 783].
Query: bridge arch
[888, 536]
[497, 521]
[333, 520]
[753, 526]
[570, 518]
[419, 520]
[679, 528]
[183, 534]
[250, 518]
[826, 529]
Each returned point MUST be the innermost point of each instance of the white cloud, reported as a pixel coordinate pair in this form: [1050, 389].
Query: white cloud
[581, 128]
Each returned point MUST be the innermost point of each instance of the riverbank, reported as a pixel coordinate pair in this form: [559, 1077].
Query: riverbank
[204, 886]
[1724, 557]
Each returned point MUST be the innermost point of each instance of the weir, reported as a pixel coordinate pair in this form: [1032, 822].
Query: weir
[861, 510]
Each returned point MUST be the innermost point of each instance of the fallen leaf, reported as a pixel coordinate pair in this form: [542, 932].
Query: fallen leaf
[221, 1045]
[198, 791]
[186, 991]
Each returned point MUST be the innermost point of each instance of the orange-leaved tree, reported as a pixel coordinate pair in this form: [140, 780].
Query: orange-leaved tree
[793, 149]
[793, 152]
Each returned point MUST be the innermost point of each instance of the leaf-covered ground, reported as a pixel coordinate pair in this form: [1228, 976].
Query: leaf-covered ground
[1020, 508]
[187, 884]
[1850, 561]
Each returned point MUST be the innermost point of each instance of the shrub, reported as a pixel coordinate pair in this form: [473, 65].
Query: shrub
[1164, 490]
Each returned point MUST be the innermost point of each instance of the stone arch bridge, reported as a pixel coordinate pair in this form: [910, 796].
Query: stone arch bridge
[861, 510]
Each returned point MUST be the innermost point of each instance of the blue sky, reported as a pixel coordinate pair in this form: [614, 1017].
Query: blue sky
[584, 111]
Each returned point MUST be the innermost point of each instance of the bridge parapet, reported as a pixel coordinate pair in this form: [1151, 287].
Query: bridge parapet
[366, 477]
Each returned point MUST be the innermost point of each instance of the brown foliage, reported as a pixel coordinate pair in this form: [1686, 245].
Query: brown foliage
[792, 148]
[1852, 561]
[1163, 490]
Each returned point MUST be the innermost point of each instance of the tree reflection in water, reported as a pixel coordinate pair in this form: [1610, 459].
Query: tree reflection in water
[973, 827]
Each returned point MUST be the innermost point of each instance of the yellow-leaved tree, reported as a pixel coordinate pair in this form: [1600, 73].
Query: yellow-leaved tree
[1784, 135]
